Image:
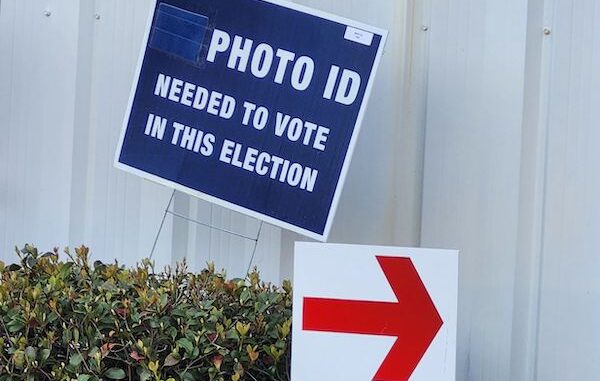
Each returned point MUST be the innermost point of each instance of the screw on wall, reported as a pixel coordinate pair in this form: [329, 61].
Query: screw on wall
[424, 28]
[97, 16]
[547, 31]
[47, 13]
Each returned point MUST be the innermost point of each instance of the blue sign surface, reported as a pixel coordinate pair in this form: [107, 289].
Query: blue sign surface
[252, 104]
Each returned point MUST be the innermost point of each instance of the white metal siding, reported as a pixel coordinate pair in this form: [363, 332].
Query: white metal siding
[569, 309]
[481, 135]
[37, 98]
[472, 166]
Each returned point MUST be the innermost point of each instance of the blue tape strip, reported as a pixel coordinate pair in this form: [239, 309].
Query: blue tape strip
[181, 13]
[180, 27]
[178, 31]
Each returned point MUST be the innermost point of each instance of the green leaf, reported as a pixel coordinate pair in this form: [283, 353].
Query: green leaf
[172, 359]
[30, 353]
[84, 377]
[187, 376]
[52, 317]
[45, 354]
[31, 262]
[172, 331]
[115, 374]
[246, 295]
[19, 359]
[186, 345]
[145, 375]
[15, 325]
[75, 360]
[14, 267]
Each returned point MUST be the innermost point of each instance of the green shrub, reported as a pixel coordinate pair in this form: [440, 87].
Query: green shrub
[74, 321]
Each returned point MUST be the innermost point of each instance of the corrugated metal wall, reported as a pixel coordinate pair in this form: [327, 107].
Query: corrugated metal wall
[568, 340]
[510, 178]
[38, 68]
[472, 167]
[482, 128]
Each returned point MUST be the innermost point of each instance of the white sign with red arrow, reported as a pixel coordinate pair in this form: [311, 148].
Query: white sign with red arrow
[365, 313]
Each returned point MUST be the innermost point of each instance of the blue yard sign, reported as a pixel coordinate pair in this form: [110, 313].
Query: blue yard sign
[254, 105]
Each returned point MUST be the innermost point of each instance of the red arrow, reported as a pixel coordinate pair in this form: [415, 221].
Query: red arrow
[414, 320]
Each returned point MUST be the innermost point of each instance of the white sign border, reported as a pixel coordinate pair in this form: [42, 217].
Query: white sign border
[229, 205]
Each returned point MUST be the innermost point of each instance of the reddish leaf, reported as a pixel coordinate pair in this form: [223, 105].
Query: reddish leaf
[217, 361]
[136, 356]
[106, 348]
[212, 337]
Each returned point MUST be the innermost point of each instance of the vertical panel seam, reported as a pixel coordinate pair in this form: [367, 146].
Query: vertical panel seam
[547, 65]
[426, 15]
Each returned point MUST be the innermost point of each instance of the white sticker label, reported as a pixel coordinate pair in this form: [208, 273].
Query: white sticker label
[359, 35]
